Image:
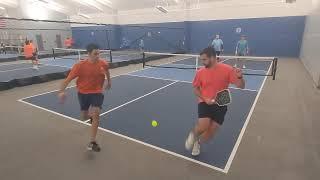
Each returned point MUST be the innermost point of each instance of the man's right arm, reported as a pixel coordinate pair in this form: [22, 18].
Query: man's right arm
[72, 75]
[237, 48]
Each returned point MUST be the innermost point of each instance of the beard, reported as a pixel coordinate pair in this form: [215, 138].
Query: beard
[208, 65]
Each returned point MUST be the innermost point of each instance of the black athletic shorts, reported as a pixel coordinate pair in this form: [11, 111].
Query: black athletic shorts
[87, 100]
[214, 112]
[31, 58]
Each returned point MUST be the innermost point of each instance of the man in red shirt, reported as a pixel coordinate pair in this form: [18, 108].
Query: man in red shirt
[91, 83]
[30, 54]
[209, 80]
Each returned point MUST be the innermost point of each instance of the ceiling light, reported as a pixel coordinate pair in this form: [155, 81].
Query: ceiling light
[84, 15]
[2, 8]
[105, 2]
[90, 3]
[162, 9]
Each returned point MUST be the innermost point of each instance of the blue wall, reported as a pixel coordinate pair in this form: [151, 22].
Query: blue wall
[276, 36]
[165, 37]
[105, 36]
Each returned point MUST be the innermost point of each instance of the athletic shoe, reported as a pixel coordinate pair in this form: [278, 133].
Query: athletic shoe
[35, 67]
[190, 141]
[244, 66]
[91, 120]
[196, 149]
[93, 146]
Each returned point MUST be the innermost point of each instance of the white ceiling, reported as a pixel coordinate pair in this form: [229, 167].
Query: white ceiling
[71, 7]
[106, 7]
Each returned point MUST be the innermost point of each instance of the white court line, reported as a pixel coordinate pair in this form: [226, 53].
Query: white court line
[149, 77]
[16, 69]
[32, 67]
[189, 82]
[235, 148]
[136, 99]
[128, 138]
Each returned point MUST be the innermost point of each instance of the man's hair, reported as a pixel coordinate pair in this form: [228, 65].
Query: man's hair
[92, 47]
[209, 51]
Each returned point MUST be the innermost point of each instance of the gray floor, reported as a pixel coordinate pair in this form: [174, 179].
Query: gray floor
[281, 141]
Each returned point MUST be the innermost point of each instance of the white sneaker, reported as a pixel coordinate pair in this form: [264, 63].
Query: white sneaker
[190, 141]
[235, 65]
[35, 67]
[244, 66]
[196, 149]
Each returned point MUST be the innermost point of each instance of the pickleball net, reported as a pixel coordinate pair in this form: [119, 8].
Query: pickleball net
[250, 65]
[17, 50]
[77, 54]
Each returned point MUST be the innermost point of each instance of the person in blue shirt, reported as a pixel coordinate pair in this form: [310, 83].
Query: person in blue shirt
[141, 45]
[242, 49]
[217, 44]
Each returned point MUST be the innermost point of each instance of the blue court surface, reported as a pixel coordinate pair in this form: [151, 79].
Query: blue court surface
[5, 56]
[165, 95]
[23, 70]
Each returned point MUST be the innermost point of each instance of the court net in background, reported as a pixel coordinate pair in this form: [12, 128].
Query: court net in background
[126, 55]
[18, 50]
[258, 66]
[78, 54]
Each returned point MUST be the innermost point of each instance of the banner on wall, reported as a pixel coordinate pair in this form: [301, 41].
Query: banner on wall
[238, 30]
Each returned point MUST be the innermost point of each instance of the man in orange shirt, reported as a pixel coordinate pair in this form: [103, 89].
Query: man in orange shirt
[90, 74]
[30, 54]
[211, 79]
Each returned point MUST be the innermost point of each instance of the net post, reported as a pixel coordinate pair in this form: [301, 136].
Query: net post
[272, 67]
[110, 53]
[143, 60]
[53, 54]
[275, 68]
[197, 62]
[19, 50]
[79, 56]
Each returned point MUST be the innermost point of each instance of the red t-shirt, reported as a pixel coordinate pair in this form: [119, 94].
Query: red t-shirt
[28, 50]
[214, 79]
[91, 75]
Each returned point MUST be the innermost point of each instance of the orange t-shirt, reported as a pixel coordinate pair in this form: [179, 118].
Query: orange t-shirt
[91, 75]
[214, 79]
[28, 50]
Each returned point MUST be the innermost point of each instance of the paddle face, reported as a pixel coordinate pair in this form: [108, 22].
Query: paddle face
[223, 98]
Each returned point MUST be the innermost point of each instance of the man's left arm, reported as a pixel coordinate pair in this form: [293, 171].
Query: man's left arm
[107, 78]
[247, 47]
[221, 45]
[236, 78]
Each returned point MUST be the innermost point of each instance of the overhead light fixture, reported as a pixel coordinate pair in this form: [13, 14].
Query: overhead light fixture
[53, 6]
[84, 15]
[2, 8]
[105, 2]
[44, 1]
[90, 3]
[162, 9]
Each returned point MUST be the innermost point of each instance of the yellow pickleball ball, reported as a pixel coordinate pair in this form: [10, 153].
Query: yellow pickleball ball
[154, 123]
